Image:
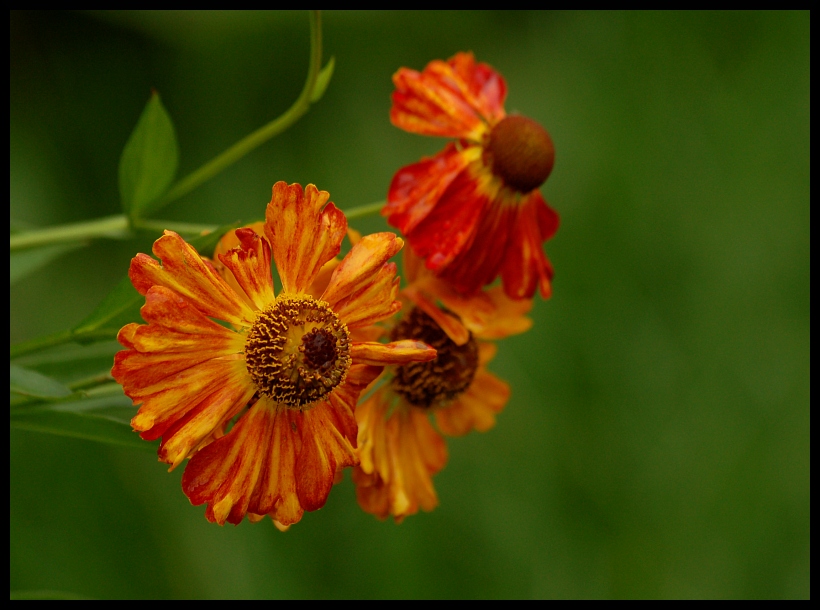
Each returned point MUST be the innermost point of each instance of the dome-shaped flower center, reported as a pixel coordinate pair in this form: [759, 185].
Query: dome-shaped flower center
[435, 383]
[297, 351]
[520, 152]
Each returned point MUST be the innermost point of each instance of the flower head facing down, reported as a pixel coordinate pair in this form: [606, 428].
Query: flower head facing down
[263, 405]
[473, 211]
[400, 449]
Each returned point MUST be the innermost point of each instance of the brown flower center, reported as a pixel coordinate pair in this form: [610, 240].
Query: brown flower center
[297, 351]
[435, 383]
[520, 152]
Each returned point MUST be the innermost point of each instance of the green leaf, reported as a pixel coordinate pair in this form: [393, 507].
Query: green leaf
[118, 308]
[105, 419]
[24, 262]
[149, 160]
[322, 81]
[31, 383]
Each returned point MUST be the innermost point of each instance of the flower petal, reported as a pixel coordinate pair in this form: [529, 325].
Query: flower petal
[450, 324]
[450, 228]
[417, 188]
[525, 265]
[325, 448]
[487, 87]
[359, 268]
[304, 233]
[249, 263]
[439, 101]
[186, 273]
[476, 408]
[373, 302]
[400, 454]
[397, 352]
[251, 469]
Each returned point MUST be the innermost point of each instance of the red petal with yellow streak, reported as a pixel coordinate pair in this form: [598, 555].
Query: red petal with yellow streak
[417, 188]
[397, 352]
[304, 233]
[450, 324]
[373, 302]
[325, 448]
[250, 469]
[525, 265]
[249, 263]
[184, 271]
[476, 408]
[451, 227]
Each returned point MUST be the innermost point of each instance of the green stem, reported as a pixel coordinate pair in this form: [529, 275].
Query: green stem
[111, 226]
[178, 227]
[364, 210]
[263, 134]
[118, 226]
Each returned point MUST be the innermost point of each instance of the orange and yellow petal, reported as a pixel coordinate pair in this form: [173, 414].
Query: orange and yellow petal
[186, 273]
[395, 353]
[451, 325]
[249, 263]
[250, 469]
[453, 99]
[476, 408]
[305, 232]
[417, 188]
[363, 288]
[399, 453]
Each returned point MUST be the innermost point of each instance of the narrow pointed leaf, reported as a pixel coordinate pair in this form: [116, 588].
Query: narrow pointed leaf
[322, 81]
[26, 262]
[149, 160]
[31, 383]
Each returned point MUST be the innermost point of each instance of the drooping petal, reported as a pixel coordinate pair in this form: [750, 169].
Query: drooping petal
[450, 324]
[451, 227]
[404, 452]
[417, 188]
[184, 271]
[397, 352]
[509, 316]
[325, 448]
[249, 263]
[250, 469]
[525, 265]
[304, 233]
[453, 99]
[476, 408]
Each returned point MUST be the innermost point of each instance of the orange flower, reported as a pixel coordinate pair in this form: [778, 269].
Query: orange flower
[400, 450]
[473, 211]
[286, 370]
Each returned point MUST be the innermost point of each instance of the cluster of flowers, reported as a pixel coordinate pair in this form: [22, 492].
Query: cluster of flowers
[266, 403]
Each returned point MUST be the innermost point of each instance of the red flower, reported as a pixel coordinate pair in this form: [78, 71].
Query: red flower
[473, 211]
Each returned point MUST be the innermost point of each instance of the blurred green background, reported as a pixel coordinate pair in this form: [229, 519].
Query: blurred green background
[657, 439]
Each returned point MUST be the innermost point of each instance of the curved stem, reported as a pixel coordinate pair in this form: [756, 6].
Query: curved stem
[177, 227]
[111, 226]
[263, 134]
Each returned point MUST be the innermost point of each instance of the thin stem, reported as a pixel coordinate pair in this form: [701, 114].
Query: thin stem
[178, 227]
[111, 226]
[263, 134]
[364, 210]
